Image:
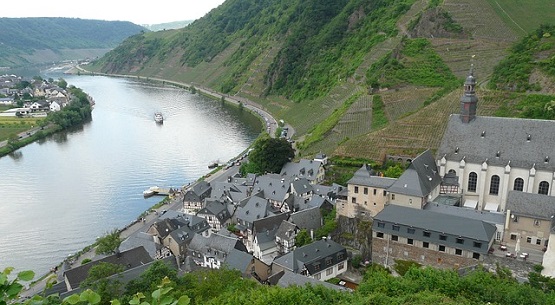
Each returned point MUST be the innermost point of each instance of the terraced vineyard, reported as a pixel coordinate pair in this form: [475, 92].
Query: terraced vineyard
[356, 121]
[457, 54]
[403, 101]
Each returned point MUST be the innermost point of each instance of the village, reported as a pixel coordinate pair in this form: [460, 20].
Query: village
[485, 197]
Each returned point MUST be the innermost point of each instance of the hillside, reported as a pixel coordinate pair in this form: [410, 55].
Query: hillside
[356, 78]
[38, 40]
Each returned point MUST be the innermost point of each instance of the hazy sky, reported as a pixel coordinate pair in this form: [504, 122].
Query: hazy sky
[159, 11]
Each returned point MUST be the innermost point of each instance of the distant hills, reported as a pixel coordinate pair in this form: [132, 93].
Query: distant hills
[357, 78]
[27, 41]
[168, 25]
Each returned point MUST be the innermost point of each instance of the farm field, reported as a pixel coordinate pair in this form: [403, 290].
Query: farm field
[10, 126]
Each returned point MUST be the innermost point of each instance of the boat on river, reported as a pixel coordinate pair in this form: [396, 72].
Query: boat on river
[158, 118]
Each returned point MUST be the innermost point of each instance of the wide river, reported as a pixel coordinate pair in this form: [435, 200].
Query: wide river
[59, 195]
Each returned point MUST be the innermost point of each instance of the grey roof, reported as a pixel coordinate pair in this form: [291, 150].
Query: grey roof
[420, 178]
[271, 222]
[297, 203]
[275, 187]
[320, 202]
[233, 191]
[531, 205]
[436, 222]
[301, 185]
[508, 136]
[309, 256]
[215, 243]
[366, 176]
[328, 191]
[216, 208]
[303, 169]
[239, 260]
[489, 217]
[129, 259]
[287, 278]
[199, 191]
[310, 219]
[140, 239]
[284, 228]
[254, 209]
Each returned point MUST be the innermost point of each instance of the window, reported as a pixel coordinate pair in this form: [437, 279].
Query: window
[513, 236]
[317, 276]
[375, 190]
[426, 234]
[518, 185]
[339, 256]
[328, 262]
[410, 230]
[537, 222]
[538, 242]
[410, 241]
[394, 238]
[340, 266]
[476, 255]
[442, 248]
[353, 200]
[472, 181]
[365, 191]
[317, 267]
[381, 225]
[384, 192]
[329, 271]
[458, 252]
[443, 237]
[392, 196]
[529, 240]
[356, 189]
[477, 244]
[494, 185]
[543, 188]
[395, 227]
[514, 217]
[460, 241]
[379, 234]
[425, 244]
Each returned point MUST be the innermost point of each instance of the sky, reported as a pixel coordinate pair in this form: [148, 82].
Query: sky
[159, 11]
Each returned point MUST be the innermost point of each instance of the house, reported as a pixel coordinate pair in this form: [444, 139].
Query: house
[216, 214]
[530, 218]
[55, 106]
[321, 260]
[429, 238]
[274, 188]
[491, 156]
[301, 187]
[312, 170]
[213, 251]
[194, 197]
[8, 101]
[367, 194]
[264, 245]
[285, 237]
[249, 266]
[254, 208]
[128, 259]
[286, 278]
[39, 105]
[309, 219]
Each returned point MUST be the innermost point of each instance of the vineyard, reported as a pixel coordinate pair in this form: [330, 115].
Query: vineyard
[406, 100]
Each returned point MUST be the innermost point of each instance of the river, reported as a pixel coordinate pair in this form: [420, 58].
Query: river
[58, 195]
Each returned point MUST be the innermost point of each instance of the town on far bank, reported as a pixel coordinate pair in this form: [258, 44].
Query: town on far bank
[484, 199]
[32, 109]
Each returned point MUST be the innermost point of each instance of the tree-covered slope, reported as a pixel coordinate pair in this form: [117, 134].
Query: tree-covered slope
[24, 36]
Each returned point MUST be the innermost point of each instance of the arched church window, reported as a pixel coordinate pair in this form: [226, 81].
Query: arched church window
[543, 188]
[452, 171]
[472, 181]
[494, 185]
[518, 185]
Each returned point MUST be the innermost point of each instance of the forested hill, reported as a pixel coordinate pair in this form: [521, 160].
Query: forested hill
[21, 38]
[359, 78]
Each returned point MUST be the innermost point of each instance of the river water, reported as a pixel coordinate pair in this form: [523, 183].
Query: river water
[58, 195]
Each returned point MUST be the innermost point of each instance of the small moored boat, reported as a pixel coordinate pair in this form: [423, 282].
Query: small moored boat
[158, 118]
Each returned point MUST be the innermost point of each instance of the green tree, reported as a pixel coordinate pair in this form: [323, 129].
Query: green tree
[302, 238]
[62, 83]
[109, 243]
[269, 155]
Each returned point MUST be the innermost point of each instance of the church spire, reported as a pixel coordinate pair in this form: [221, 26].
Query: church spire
[469, 101]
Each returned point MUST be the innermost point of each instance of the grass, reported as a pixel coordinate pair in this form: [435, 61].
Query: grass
[11, 126]
[524, 15]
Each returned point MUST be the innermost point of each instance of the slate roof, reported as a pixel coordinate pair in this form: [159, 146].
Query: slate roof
[231, 191]
[215, 245]
[436, 222]
[199, 191]
[366, 176]
[239, 260]
[508, 136]
[271, 222]
[275, 187]
[310, 219]
[328, 191]
[285, 227]
[531, 205]
[301, 186]
[216, 208]
[489, 217]
[309, 256]
[129, 259]
[303, 169]
[254, 209]
[297, 203]
[140, 239]
[420, 178]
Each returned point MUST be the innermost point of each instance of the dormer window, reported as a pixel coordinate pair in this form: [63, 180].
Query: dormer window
[546, 159]
[483, 134]
[498, 154]
[528, 138]
[457, 150]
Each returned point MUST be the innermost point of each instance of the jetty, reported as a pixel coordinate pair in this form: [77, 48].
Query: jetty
[159, 191]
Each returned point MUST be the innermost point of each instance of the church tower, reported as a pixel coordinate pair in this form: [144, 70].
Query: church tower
[469, 101]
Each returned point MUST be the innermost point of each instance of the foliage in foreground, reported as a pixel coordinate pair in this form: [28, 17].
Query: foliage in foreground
[268, 156]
